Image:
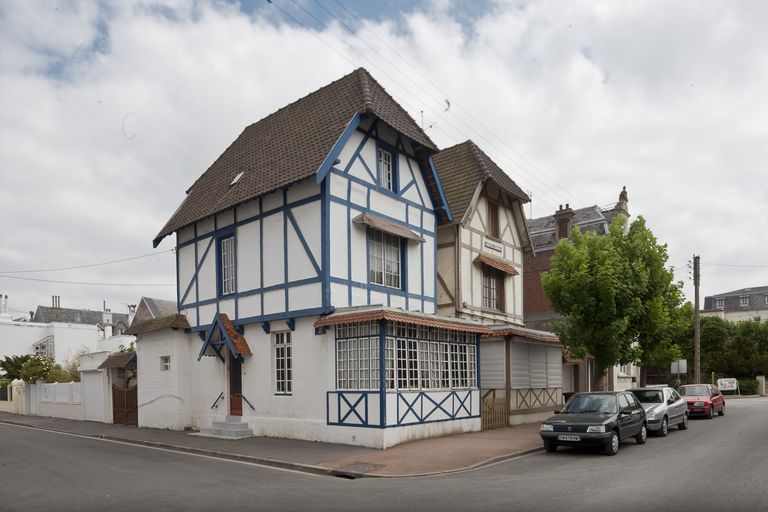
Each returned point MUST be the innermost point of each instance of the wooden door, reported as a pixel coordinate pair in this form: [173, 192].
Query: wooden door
[125, 405]
[235, 386]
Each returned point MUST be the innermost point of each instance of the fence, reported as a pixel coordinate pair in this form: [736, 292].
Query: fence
[495, 411]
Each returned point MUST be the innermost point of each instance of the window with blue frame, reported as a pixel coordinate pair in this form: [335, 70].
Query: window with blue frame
[387, 170]
[385, 259]
[226, 259]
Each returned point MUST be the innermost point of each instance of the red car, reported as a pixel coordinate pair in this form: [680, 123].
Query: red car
[703, 400]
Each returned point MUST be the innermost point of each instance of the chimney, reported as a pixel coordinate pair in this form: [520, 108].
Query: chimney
[131, 313]
[106, 320]
[4, 307]
[564, 219]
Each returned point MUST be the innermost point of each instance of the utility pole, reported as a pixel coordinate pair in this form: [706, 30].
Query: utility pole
[696, 322]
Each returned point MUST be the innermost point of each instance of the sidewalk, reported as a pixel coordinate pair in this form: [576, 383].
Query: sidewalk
[418, 458]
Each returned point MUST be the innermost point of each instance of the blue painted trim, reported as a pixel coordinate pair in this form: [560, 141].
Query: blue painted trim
[198, 266]
[178, 282]
[405, 224]
[266, 327]
[382, 372]
[409, 185]
[322, 171]
[291, 323]
[255, 291]
[380, 289]
[413, 177]
[395, 161]
[356, 155]
[380, 190]
[261, 253]
[353, 408]
[226, 340]
[477, 360]
[283, 315]
[303, 241]
[222, 235]
[446, 207]
[325, 233]
[285, 248]
[257, 217]
[349, 243]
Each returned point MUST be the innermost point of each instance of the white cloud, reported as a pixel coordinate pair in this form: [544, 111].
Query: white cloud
[138, 100]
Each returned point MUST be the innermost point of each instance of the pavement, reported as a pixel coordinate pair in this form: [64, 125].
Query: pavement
[434, 456]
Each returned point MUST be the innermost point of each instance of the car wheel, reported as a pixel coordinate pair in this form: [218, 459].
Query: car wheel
[711, 413]
[642, 437]
[683, 425]
[612, 446]
[550, 447]
[664, 427]
[721, 412]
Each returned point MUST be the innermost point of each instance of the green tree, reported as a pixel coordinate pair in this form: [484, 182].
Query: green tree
[11, 365]
[39, 368]
[715, 336]
[741, 358]
[587, 285]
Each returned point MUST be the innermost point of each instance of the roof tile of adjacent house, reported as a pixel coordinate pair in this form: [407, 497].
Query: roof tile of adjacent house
[177, 321]
[290, 145]
[461, 168]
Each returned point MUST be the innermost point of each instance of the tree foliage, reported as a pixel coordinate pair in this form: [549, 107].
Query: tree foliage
[38, 368]
[11, 365]
[730, 349]
[618, 300]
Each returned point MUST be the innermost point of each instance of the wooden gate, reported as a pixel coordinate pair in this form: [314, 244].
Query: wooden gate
[495, 411]
[125, 406]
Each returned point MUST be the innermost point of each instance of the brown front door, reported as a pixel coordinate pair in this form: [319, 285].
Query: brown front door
[125, 405]
[235, 386]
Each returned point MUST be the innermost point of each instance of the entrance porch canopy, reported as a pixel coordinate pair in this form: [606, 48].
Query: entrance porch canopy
[224, 334]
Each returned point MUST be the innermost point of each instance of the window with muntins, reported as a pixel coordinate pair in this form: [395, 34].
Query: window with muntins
[493, 289]
[281, 350]
[744, 301]
[719, 303]
[227, 260]
[386, 172]
[384, 254]
[493, 220]
[165, 363]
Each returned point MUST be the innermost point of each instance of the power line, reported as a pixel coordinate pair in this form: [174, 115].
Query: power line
[82, 283]
[734, 265]
[85, 266]
[543, 191]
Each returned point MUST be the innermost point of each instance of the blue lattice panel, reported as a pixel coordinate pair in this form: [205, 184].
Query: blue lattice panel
[353, 408]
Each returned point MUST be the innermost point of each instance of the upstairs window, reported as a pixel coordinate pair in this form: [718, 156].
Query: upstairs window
[493, 220]
[386, 171]
[744, 301]
[720, 303]
[384, 254]
[227, 262]
[493, 289]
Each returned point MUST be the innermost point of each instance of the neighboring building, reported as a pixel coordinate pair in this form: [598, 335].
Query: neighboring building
[150, 309]
[62, 333]
[738, 305]
[545, 234]
[306, 264]
[480, 267]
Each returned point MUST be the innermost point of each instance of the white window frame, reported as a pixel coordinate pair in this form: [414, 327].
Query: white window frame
[386, 266]
[719, 303]
[744, 301]
[386, 170]
[282, 357]
[165, 363]
[227, 261]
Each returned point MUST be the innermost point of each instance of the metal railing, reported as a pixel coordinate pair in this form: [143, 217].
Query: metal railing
[248, 402]
[216, 402]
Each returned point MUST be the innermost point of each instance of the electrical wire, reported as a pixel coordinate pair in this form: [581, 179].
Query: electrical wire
[86, 266]
[82, 283]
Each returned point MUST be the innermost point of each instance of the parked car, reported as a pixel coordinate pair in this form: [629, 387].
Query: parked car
[703, 400]
[664, 408]
[603, 418]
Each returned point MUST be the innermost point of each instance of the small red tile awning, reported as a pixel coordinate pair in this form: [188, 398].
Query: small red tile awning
[496, 263]
[529, 334]
[119, 360]
[224, 334]
[382, 224]
[406, 317]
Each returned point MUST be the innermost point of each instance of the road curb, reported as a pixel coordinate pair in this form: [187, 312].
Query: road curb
[275, 463]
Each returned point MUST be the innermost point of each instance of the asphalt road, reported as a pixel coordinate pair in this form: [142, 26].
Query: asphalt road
[719, 464]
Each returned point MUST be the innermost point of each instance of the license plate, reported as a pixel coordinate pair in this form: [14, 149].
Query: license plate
[568, 437]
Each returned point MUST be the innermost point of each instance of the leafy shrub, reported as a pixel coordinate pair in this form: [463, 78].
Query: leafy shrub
[4, 383]
[38, 368]
[748, 386]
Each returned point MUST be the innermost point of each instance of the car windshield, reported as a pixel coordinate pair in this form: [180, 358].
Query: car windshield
[648, 396]
[591, 403]
[694, 390]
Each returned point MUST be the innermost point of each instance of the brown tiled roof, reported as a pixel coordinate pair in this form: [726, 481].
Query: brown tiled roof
[496, 263]
[461, 168]
[238, 340]
[290, 145]
[532, 334]
[398, 315]
[119, 360]
[381, 224]
[155, 324]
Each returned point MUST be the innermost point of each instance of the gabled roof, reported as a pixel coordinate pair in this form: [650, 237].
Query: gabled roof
[48, 314]
[461, 168]
[176, 321]
[290, 145]
[160, 307]
[119, 360]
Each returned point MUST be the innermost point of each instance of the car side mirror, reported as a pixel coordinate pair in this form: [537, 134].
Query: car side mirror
[558, 410]
[670, 401]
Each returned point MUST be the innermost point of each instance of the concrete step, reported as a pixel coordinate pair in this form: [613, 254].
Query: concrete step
[232, 427]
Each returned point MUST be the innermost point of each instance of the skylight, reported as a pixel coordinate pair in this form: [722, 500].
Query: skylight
[237, 178]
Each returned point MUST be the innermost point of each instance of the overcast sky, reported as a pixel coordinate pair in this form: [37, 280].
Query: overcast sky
[109, 111]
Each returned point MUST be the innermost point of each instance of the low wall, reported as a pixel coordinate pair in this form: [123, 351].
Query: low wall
[12, 395]
[59, 400]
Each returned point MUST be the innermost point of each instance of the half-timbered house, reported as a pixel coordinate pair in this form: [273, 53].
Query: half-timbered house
[480, 272]
[306, 267]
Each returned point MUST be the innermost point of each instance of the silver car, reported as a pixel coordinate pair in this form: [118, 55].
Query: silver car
[664, 407]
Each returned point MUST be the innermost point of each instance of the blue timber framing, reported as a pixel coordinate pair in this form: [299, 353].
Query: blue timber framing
[217, 345]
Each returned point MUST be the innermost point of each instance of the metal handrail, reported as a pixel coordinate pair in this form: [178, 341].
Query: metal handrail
[248, 402]
[216, 402]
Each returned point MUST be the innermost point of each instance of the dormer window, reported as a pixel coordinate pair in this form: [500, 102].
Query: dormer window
[720, 303]
[386, 171]
[744, 301]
